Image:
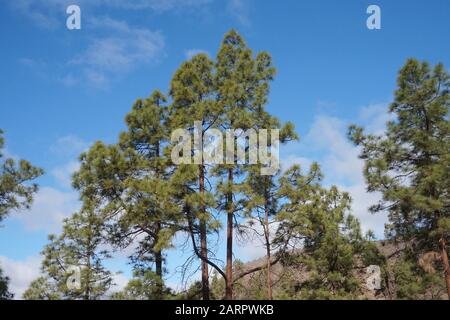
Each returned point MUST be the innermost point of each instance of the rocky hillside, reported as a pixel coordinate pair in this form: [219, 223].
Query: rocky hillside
[375, 283]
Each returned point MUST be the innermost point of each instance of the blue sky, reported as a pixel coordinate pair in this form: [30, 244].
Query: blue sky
[62, 90]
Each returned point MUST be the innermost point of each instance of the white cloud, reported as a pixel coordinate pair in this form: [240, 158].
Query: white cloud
[157, 5]
[52, 13]
[361, 201]
[239, 10]
[338, 158]
[114, 48]
[192, 52]
[126, 48]
[342, 167]
[250, 250]
[120, 281]
[290, 160]
[375, 116]
[41, 13]
[21, 273]
[69, 146]
[121, 53]
[49, 208]
[63, 174]
[251, 245]
[328, 134]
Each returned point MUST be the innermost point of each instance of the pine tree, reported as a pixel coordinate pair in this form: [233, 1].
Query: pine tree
[234, 75]
[242, 84]
[145, 285]
[409, 163]
[228, 95]
[15, 190]
[131, 181]
[4, 293]
[42, 289]
[77, 248]
[321, 233]
[263, 203]
[192, 91]
[148, 205]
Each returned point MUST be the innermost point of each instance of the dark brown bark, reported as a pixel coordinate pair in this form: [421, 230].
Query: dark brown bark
[158, 253]
[87, 291]
[158, 265]
[203, 240]
[196, 251]
[267, 238]
[229, 262]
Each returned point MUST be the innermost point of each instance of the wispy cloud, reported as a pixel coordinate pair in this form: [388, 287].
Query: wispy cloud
[63, 174]
[192, 52]
[41, 13]
[127, 48]
[21, 273]
[375, 116]
[114, 47]
[49, 208]
[239, 10]
[69, 146]
[338, 157]
[51, 13]
[156, 5]
[108, 57]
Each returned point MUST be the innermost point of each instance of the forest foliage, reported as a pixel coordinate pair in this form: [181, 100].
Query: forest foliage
[135, 198]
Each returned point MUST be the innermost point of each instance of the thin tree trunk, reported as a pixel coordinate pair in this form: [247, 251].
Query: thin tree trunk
[158, 265]
[229, 263]
[267, 236]
[203, 240]
[87, 292]
[158, 253]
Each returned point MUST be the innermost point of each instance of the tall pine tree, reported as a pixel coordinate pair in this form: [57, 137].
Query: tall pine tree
[409, 163]
[130, 180]
[193, 108]
[323, 236]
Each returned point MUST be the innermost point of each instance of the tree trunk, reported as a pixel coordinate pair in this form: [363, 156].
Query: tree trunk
[203, 240]
[158, 253]
[87, 291]
[158, 266]
[445, 263]
[229, 263]
[267, 238]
